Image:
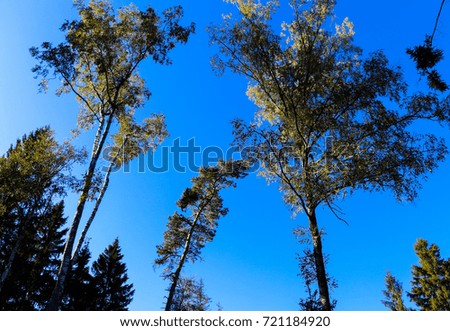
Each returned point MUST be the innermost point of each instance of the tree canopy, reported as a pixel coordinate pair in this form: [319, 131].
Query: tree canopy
[98, 62]
[329, 120]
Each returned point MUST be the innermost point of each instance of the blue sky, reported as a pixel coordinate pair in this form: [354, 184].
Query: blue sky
[251, 264]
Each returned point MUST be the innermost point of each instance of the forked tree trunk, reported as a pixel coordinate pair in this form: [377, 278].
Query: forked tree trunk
[98, 201]
[58, 291]
[321, 274]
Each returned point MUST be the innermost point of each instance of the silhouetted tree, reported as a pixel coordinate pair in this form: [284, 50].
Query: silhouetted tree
[34, 175]
[32, 273]
[111, 280]
[80, 293]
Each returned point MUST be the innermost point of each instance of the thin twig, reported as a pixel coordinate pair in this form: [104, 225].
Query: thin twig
[437, 20]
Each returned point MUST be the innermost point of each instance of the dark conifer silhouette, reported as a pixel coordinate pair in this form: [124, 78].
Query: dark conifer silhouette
[110, 280]
[34, 175]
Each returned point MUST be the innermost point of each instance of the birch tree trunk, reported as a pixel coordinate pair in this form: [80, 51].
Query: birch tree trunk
[321, 274]
[58, 291]
[98, 201]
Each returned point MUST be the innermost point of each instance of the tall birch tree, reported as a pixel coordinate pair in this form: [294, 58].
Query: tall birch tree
[329, 120]
[98, 62]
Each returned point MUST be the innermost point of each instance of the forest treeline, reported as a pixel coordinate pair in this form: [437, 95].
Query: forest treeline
[308, 84]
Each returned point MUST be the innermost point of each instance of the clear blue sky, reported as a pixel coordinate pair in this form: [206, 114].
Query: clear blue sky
[251, 264]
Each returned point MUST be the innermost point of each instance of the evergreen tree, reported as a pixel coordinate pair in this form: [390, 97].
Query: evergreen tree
[430, 285]
[431, 278]
[190, 296]
[100, 287]
[188, 232]
[110, 280]
[393, 294]
[33, 271]
[80, 292]
[33, 175]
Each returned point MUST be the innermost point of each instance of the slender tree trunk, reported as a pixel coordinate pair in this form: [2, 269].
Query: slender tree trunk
[321, 274]
[93, 214]
[176, 275]
[97, 203]
[11, 259]
[58, 291]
